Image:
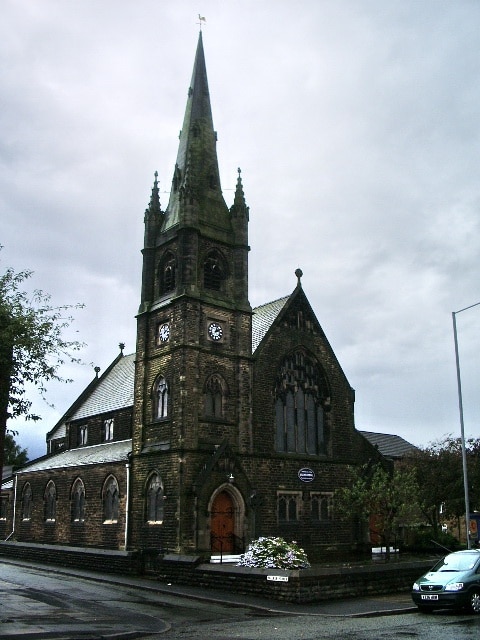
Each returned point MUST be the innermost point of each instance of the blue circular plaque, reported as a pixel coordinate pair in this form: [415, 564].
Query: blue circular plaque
[306, 474]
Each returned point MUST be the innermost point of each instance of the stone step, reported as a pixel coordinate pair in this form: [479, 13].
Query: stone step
[230, 558]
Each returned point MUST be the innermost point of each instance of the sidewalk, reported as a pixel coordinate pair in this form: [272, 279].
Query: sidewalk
[368, 606]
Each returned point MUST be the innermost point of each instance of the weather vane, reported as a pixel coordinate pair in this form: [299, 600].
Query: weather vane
[200, 20]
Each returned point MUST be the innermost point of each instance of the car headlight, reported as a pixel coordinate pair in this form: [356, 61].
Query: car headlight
[454, 586]
[416, 587]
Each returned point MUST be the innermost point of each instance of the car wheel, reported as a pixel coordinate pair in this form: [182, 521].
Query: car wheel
[474, 602]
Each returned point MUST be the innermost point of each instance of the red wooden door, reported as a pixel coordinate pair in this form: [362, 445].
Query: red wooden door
[223, 523]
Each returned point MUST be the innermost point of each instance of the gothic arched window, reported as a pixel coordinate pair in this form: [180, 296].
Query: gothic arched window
[154, 499]
[160, 398]
[300, 395]
[288, 506]
[108, 425]
[82, 435]
[50, 499]
[111, 499]
[167, 273]
[214, 397]
[27, 502]
[321, 506]
[78, 501]
[213, 272]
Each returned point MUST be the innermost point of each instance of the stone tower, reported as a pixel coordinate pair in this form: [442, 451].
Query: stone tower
[193, 396]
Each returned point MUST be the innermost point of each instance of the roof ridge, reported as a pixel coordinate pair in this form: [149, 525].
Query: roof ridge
[272, 302]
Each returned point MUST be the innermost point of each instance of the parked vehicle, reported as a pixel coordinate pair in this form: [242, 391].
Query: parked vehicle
[453, 582]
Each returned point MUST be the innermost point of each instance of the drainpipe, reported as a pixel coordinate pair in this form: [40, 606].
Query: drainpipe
[14, 510]
[127, 504]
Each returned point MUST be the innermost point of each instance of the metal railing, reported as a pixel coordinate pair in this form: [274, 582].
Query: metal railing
[225, 545]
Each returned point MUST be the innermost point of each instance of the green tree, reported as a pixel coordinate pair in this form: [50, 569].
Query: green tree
[380, 496]
[32, 347]
[438, 469]
[14, 455]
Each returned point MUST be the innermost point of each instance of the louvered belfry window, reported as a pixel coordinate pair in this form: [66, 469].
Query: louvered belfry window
[213, 272]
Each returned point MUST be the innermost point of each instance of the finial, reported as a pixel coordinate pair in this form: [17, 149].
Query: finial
[299, 274]
[154, 205]
[97, 371]
[239, 195]
[121, 347]
[200, 20]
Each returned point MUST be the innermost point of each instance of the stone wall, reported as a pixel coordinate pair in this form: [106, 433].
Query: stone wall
[100, 560]
[93, 531]
[310, 585]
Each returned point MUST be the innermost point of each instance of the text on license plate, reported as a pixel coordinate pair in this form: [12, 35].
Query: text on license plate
[429, 597]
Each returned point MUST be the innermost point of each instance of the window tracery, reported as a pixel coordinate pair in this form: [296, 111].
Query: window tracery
[160, 398]
[321, 506]
[214, 396]
[154, 499]
[111, 500]
[300, 397]
[288, 506]
[78, 501]
[108, 429]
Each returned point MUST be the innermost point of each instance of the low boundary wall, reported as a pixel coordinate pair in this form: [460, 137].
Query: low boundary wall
[316, 584]
[101, 560]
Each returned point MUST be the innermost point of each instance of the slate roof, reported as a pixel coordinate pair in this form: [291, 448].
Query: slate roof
[60, 431]
[114, 392]
[263, 318]
[390, 446]
[96, 454]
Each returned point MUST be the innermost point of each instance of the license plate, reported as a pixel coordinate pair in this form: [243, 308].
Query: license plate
[429, 597]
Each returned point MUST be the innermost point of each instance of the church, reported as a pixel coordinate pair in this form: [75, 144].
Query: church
[227, 423]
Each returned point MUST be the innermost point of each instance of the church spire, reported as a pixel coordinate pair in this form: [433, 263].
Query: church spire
[196, 196]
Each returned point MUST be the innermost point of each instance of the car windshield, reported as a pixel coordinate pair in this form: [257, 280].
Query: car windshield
[456, 562]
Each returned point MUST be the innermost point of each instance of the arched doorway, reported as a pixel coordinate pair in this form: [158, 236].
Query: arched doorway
[222, 523]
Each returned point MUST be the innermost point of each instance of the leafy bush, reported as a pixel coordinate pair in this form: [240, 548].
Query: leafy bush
[274, 553]
[425, 541]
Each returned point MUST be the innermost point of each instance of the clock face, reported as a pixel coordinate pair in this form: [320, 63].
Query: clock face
[164, 332]
[215, 331]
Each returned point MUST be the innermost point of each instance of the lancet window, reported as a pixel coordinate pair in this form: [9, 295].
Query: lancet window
[300, 398]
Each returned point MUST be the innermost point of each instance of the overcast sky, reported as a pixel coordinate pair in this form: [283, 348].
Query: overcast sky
[356, 126]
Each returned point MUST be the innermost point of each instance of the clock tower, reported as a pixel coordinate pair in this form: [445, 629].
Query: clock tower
[192, 396]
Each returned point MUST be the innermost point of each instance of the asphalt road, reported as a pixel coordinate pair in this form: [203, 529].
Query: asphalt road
[37, 603]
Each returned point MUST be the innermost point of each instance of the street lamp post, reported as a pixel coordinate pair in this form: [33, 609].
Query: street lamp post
[462, 427]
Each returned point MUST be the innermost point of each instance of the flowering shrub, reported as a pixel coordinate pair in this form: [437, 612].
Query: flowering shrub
[274, 553]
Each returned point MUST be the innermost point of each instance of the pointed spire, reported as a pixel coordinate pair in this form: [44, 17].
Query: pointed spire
[196, 194]
[154, 205]
[198, 119]
[239, 195]
[239, 206]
